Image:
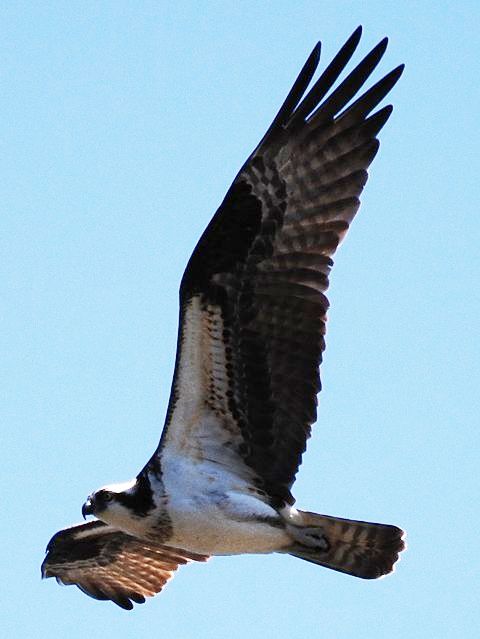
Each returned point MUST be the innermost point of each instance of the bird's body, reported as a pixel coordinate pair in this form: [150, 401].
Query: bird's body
[209, 511]
[251, 337]
[216, 513]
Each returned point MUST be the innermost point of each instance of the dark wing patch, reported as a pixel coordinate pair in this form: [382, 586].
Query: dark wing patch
[264, 260]
[108, 564]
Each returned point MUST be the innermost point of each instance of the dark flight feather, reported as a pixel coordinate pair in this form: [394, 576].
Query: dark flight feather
[265, 258]
[107, 564]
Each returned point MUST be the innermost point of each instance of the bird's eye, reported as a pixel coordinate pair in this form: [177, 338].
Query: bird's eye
[108, 496]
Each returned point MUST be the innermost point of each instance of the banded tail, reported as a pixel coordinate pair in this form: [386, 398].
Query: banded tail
[358, 548]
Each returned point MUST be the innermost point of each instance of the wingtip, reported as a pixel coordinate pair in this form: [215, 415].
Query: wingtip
[382, 45]
[44, 571]
[352, 43]
[395, 75]
[357, 34]
[314, 57]
[373, 58]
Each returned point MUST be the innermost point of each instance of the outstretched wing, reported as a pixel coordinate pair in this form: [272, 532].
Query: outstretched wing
[252, 299]
[106, 563]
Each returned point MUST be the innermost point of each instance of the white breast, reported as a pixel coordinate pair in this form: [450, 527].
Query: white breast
[213, 511]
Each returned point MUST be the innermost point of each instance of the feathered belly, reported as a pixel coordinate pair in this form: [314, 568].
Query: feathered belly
[223, 526]
[214, 512]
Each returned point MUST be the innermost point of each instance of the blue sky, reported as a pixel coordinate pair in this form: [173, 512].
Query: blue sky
[123, 124]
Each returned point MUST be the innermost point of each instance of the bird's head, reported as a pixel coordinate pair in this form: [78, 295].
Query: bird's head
[99, 502]
[122, 504]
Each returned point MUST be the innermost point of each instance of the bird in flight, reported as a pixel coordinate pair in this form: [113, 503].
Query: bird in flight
[250, 343]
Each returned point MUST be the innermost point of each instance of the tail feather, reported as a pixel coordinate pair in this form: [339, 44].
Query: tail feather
[358, 548]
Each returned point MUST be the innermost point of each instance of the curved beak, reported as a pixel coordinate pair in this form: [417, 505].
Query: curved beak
[87, 508]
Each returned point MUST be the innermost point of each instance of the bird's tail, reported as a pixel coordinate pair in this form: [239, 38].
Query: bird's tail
[357, 548]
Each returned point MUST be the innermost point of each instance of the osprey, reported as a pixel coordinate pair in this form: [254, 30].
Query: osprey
[250, 342]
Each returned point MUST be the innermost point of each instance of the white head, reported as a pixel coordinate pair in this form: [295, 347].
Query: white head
[125, 505]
